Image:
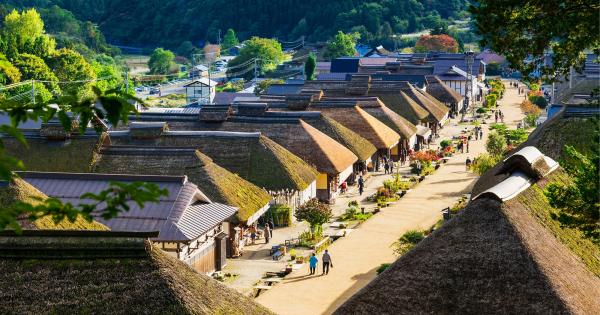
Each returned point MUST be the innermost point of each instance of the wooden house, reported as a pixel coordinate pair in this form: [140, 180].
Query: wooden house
[191, 227]
[251, 155]
[443, 93]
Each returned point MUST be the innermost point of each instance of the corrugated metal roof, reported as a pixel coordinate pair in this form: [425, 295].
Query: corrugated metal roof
[284, 89]
[183, 215]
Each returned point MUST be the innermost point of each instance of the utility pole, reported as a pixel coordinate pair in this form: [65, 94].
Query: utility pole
[470, 56]
[127, 81]
[219, 38]
[255, 70]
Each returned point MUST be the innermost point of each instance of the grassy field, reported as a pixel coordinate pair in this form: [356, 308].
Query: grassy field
[138, 64]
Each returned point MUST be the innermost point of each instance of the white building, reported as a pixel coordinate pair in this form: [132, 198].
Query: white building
[201, 91]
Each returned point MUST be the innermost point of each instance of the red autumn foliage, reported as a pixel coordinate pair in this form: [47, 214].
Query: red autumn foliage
[442, 43]
[425, 156]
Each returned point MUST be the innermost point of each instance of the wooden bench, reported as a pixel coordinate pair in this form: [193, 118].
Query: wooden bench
[291, 241]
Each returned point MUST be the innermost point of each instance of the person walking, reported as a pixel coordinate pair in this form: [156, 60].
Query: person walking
[468, 163]
[480, 133]
[496, 117]
[391, 166]
[326, 262]
[361, 185]
[468, 146]
[271, 226]
[386, 168]
[312, 263]
[267, 233]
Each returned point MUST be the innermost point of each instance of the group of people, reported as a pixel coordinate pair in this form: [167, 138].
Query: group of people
[267, 231]
[313, 261]
[388, 165]
[498, 115]
[478, 132]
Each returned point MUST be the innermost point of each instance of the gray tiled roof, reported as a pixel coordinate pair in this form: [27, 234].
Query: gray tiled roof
[178, 216]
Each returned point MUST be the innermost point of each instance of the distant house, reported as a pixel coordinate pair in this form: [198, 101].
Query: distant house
[191, 227]
[201, 91]
[198, 71]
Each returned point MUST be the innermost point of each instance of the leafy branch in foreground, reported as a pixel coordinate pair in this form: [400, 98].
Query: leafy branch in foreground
[72, 111]
[106, 204]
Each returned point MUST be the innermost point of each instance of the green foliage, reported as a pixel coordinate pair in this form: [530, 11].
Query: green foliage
[342, 44]
[396, 184]
[68, 65]
[407, 241]
[310, 66]
[161, 61]
[530, 119]
[282, 215]
[263, 85]
[27, 25]
[579, 201]
[8, 72]
[230, 39]
[445, 143]
[315, 213]
[34, 68]
[490, 100]
[516, 136]
[267, 52]
[186, 49]
[484, 162]
[530, 28]
[495, 144]
[382, 268]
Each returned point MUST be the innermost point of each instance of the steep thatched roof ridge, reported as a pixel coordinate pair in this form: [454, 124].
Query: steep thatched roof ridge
[550, 138]
[149, 282]
[330, 150]
[492, 258]
[367, 126]
[253, 156]
[441, 91]
[347, 137]
[404, 106]
[428, 102]
[217, 183]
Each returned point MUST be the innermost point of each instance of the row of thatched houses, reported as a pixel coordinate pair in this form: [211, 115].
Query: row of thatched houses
[243, 156]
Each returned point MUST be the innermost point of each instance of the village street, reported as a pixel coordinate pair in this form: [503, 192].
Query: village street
[356, 256]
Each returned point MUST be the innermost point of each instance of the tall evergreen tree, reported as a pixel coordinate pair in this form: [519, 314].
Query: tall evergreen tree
[310, 66]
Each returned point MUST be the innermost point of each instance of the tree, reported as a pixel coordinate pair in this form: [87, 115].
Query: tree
[267, 52]
[8, 72]
[315, 213]
[27, 25]
[69, 65]
[520, 30]
[34, 68]
[495, 144]
[211, 52]
[230, 39]
[441, 43]
[161, 61]
[186, 49]
[407, 241]
[263, 85]
[342, 45]
[484, 162]
[309, 67]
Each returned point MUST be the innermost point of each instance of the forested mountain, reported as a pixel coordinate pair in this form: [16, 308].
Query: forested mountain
[170, 22]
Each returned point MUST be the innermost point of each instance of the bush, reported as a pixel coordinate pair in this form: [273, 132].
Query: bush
[407, 241]
[541, 101]
[483, 162]
[382, 268]
[516, 136]
[496, 144]
[282, 215]
[530, 119]
[315, 213]
[490, 100]
[481, 110]
[530, 108]
[445, 143]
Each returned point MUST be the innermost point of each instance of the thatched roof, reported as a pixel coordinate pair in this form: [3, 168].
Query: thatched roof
[550, 138]
[376, 108]
[312, 144]
[442, 92]
[403, 105]
[428, 102]
[252, 156]
[217, 183]
[18, 190]
[73, 155]
[361, 122]
[112, 273]
[493, 258]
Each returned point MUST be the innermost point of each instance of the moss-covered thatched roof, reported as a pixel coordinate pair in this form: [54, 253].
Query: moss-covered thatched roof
[109, 275]
[253, 156]
[437, 110]
[19, 190]
[217, 183]
[43, 155]
[493, 258]
[441, 91]
[404, 106]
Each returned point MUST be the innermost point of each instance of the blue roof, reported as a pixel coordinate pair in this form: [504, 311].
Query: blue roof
[284, 89]
[345, 64]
